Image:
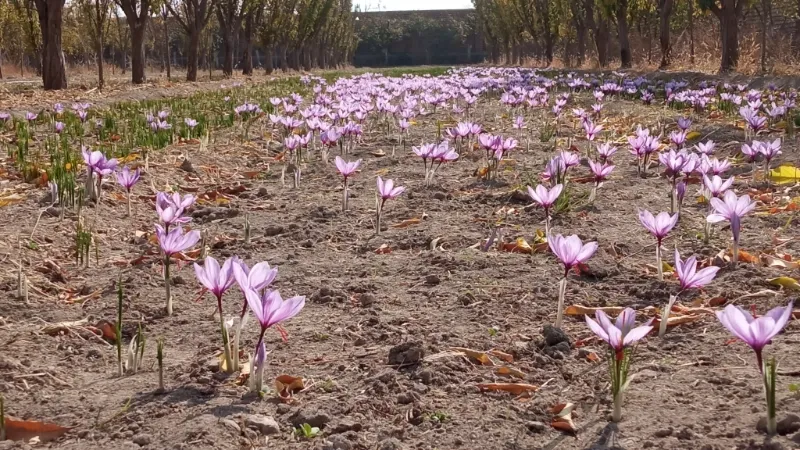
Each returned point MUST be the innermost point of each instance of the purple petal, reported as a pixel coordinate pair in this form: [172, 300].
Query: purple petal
[597, 329]
[636, 334]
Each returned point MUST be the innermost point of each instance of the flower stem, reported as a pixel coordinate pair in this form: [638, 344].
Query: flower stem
[344, 197]
[225, 341]
[562, 291]
[167, 286]
[378, 208]
[662, 327]
[770, 377]
[735, 258]
[616, 415]
[128, 209]
[659, 265]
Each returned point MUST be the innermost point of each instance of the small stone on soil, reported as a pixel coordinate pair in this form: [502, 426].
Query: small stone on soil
[142, 439]
[432, 280]
[407, 353]
[311, 416]
[232, 425]
[664, 433]
[266, 425]
[187, 166]
[788, 424]
[390, 444]
[536, 427]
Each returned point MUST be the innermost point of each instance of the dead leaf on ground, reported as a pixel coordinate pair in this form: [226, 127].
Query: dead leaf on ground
[476, 355]
[519, 389]
[502, 355]
[675, 320]
[562, 419]
[506, 371]
[787, 283]
[592, 356]
[407, 222]
[244, 373]
[10, 199]
[579, 310]
[25, 430]
[383, 249]
[745, 257]
[774, 261]
[518, 246]
[286, 386]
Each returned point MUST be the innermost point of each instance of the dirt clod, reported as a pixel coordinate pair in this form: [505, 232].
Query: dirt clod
[406, 354]
[314, 417]
[265, 425]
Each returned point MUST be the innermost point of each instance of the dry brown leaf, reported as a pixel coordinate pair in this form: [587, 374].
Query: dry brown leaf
[476, 355]
[578, 310]
[407, 222]
[676, 320]
[513, 388]
[244, 373]
[518, 246]
[592, 356]
[25, 430]
[502, 355]
[510, 372]
[745, 257]
[383, 249]
[562, 419]
[286, 386]
[774, 261]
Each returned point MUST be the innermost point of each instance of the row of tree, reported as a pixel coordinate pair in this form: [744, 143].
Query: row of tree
[514, 27]
[294, 33]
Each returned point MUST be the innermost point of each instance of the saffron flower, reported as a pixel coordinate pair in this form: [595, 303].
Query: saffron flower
[386, 191]
[571, 252]
[715, 186]
[757, 333]
[172, 242]
[621, 336]
[705, 148]
[606, 151]
[684, 123]
[546, 199]
[770, 150]
[270, 309]
[600, 171]
[733, 209]
[218, 280]
[257, 278]
[346, 169]
[659, 226]
[689, 278]
[170, 210]
[127, 180]
[58, 127]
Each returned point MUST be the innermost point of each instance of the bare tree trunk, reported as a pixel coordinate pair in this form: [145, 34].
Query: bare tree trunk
[622, 32]
[101, 82]
[167, 51]
[247, 46]
[729, 33]
[54, 73]
[796, 32]
[192, 55]
[765, 18]
[1, 64]
[269, 53]
[137, 52]
[690, 12]
[664, 13]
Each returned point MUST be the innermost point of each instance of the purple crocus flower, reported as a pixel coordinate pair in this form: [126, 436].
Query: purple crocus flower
[270, 309]
[127, 180]
[215, 278]
[684, 123]
[689, 276]
[770, 150]
[756, 333]
[601, 171]
[732, 209]
[191, 123]
[606, 151]
[716, 186]
[660, 225]
[546, 199]
[706, 148]
[59, 127]
[346, 168]
[571, 251]
[175, 241]
[387, 190]
[591, 129]
[170, 208]
[30, 117]
[621, 334]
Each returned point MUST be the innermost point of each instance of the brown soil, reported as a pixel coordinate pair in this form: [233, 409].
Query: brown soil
[374, 339]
